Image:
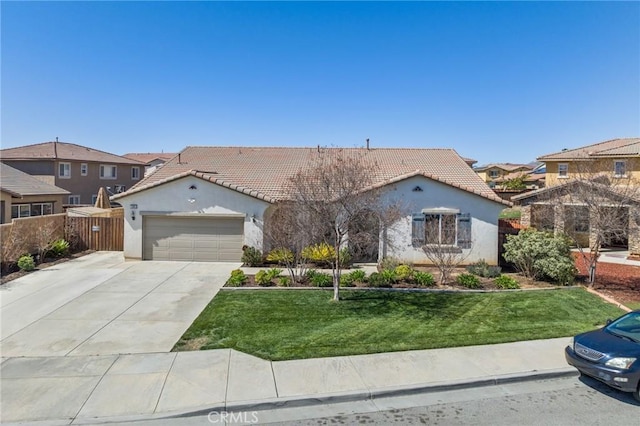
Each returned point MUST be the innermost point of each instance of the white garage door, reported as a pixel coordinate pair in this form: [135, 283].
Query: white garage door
[193, 238]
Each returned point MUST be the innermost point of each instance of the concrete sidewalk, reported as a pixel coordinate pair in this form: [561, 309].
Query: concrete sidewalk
[84, 389]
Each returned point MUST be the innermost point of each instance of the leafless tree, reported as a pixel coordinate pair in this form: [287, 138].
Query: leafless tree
[331, 198]
[445, 236]
[597, 208]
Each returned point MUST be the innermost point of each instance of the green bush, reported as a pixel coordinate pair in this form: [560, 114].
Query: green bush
[26, 263]
[404, 273]
[59, 248]
[282, 256]
[482, 269]
[265, 278]
[389, 263]
[346, 280]
[237, 278]
[469, 281]
[378, 279]
[541, 255]
[506, 282]
[284, 281]
[424, 279]
[358, 276]
[319, 279]
[251, 256]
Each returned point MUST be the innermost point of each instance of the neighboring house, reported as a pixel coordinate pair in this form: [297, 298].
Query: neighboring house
[492, 172]
[616, 157]
[75, 168]
[532, 179]
[152, 161]
[616, 160]
[206, 203]
[22, 195]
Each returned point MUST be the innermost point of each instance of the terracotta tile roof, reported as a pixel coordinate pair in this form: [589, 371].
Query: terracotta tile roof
[264, 172]
[611, 148]
[20, 184]
[148, 157]
[62, 151]
[504, 166]
[528, 177]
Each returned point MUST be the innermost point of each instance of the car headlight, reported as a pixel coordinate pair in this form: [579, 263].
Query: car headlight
[571, 343]
[622, 363]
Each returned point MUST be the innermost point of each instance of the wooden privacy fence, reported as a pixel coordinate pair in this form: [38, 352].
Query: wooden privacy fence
[96, 233]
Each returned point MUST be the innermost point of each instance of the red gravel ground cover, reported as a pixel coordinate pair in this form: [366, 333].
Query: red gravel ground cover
[621, 282]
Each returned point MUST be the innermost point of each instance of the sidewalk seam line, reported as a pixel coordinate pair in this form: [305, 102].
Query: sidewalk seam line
[94, 388]
[275, 383]
[155, 408]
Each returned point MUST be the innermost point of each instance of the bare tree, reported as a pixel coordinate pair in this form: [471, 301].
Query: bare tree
[331, 198]
[596, 209]
[445, 236]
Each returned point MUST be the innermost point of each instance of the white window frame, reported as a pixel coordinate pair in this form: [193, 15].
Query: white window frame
[19, 208]
[84, 169]
[563, 174]
[73, 198]
[94, 198]
[135, 173]
[493, 174]
[119, 188]
[112, 167]
[65, 168]
[616, 170]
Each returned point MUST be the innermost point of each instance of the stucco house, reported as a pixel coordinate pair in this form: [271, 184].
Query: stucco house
[151, 160]
[490, 173]
[22, 195]
[578, 171]
[206, 203]
[78, 169]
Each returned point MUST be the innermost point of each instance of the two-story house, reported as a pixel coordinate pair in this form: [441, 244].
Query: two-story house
[492, 173]
[152, 160]
[581, 184]
[78, 169]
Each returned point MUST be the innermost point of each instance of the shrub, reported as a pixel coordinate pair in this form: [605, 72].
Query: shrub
[378, 279]
[346, 280]
[506, 282]
[358, 276]
[389, 275]
[469, 281]
[282, 256]
[237, 278]
[541, 255]
[59, 248]
[404, 273]
[424, 279]
[251, 256]
[265, 278]
[284, 281]
[321, 254]
[389, 263]
[482, 269]
[26, 263]
[319, 279]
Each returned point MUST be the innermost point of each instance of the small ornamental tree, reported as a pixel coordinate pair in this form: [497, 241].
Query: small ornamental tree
[541, 255]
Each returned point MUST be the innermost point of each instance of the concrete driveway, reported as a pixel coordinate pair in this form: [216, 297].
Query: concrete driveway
[99, 305]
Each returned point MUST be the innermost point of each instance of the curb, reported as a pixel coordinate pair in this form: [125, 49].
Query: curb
[336, 397]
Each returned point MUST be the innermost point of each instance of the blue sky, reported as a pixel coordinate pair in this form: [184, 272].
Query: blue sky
[498, 82]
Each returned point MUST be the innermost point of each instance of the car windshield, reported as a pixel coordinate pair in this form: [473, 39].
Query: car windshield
[627, 326]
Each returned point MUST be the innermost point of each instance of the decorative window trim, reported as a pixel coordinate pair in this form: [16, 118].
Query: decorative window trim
[463, 236]
[64, 170]
[616, 170]
[84, 169]
[565, 174]
[108, 167]
[135, 176]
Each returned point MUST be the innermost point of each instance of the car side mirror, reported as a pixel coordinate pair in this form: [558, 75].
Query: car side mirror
[609, 321]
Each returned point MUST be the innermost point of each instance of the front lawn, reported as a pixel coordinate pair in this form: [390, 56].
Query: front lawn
[293, 324]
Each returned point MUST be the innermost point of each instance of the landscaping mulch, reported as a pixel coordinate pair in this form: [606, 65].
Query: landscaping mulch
[620, 282]
[15, 273]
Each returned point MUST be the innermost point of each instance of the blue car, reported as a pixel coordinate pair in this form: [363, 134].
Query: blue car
[610, 354]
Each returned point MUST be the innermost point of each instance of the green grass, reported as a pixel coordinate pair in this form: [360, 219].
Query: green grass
[633, 305]
[290, 324]
[510, 214]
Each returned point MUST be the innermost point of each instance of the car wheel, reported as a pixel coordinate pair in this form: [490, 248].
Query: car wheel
[636, 393]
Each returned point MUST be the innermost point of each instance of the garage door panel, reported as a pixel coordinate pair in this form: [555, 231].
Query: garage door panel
[193, 239]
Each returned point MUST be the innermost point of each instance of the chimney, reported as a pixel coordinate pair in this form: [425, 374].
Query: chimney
[367, 144]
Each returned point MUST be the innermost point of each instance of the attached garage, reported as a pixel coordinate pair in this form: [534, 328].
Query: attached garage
[200, 238]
